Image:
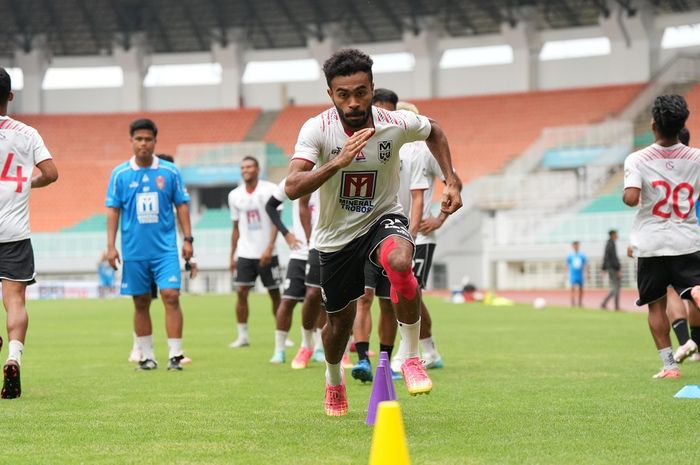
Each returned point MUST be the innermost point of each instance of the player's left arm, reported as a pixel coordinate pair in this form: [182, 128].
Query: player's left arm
[48, 173]
[305, 215]
[451, 195]
[183, 217]
[416, 212]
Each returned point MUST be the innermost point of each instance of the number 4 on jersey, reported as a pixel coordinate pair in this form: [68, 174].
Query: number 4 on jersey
[5, 173]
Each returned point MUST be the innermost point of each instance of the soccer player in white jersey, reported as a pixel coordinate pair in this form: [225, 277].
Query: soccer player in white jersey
[355, 148]
[253, 250]
[304, 217]
[21, 149]
[664, 180]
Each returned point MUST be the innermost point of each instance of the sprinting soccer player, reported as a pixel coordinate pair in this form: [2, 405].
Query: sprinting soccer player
[253, 251]
[147, 193]
[355, 148]
[665, 178]
[576, 263]
[304, 217]
[21, 149]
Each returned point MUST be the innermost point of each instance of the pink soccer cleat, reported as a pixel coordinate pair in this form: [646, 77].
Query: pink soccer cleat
[302, 358]
[336, 403]
[414, 375]
[664, 373]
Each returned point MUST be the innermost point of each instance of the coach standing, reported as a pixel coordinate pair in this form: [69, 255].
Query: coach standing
[612, 265]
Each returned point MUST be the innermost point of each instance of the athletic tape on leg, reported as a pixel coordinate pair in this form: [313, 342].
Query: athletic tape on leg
[402, 282]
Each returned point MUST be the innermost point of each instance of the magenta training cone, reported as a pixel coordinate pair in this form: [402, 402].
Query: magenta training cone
[380, 392]
[389, 380]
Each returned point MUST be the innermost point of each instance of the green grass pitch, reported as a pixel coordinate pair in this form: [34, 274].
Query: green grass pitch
[521, 386]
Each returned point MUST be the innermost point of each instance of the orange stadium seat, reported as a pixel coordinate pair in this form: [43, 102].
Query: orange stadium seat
[486, 132]
[87, 147]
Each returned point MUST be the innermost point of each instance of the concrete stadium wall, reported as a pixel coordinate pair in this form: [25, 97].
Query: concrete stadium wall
[635, 57]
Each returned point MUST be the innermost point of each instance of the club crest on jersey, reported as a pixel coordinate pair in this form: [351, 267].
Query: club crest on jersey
[357, 191]
[160, 182]
[384, 149]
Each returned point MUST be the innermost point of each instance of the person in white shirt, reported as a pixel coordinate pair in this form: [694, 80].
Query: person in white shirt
[253, 238]
[355, 148]
[296, 289]
[21, 149]
[663, 181]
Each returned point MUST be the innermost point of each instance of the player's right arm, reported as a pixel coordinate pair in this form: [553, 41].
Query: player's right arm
[301, 180]
[112, 224]
[114, 203]
[633, 183]
[234, 243]
[48, 173]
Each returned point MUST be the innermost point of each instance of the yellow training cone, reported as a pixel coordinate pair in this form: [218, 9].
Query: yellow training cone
[389, 440]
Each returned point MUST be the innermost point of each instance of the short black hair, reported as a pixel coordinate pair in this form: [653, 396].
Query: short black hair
[575, 243]
[385, 95]
[684, 136]
[253, 159]
[166, 157]
[611, 232]
[5, 86]
[143, 123]
[347, 62]
[670, 112]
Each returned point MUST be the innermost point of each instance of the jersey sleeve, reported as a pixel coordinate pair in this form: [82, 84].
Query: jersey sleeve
[633, 177]
[278, 192]
[308, 146]
[180, 195]
[114, 199]
[38, 149]
[232, 207]
[417, 127]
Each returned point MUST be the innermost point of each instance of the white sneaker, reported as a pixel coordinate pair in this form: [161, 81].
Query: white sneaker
[396, 363]
[288, 343]
[684, 351]
[135, 356]
[238, 343]
[694, 358]
[431, 361]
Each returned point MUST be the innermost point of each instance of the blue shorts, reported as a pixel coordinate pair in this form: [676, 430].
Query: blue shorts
[137, 276]
[576, 281]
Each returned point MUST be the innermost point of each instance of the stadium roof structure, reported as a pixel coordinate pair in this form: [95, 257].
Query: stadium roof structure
[92, 27]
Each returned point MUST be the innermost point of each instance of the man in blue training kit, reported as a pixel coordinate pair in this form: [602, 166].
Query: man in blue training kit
[577, 263]
[143, 191]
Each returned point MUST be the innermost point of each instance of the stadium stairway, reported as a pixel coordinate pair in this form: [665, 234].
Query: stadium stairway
[261, 126]
[642, 129]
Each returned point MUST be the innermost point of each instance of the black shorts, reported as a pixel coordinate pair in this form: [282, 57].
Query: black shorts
[17, 261]
[294, 288]
[248, 270]
[422, 262]
[343, 272]
[376, 280]
[313, 269]
[655, 274]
